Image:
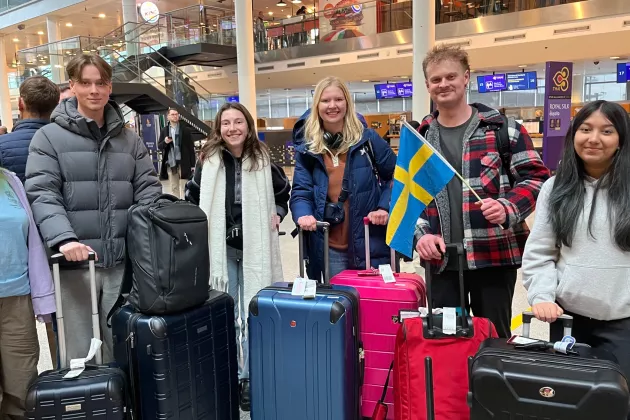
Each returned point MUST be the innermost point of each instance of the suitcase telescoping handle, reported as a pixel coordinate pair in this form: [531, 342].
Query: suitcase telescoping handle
[61, 330]
[368, 258]
[325, 227]
[428, 275]
[567, 323]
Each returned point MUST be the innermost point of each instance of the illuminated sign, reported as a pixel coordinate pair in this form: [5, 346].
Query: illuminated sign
[149, 12]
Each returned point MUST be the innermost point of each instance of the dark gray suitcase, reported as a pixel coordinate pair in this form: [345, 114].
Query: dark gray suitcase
[508, 383]
[180, 366]
[97, 393]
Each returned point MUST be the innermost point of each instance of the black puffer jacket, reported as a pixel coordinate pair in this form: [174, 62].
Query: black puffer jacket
[81, 183]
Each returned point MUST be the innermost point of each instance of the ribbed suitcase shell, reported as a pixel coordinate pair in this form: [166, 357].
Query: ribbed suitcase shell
[304, 354]
[181, 366]
[97, 393]
[511, 384]
[381, 301]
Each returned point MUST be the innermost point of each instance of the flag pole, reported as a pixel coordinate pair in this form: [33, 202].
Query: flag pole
[469, 187]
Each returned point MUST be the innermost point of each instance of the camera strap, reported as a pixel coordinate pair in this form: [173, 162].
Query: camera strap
[345, 190]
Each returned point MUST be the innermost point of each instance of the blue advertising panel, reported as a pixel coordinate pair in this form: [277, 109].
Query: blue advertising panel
[623, 72]
[522, 81]
[385, 91]
[404, 90]
[150, 131]
[491, 83]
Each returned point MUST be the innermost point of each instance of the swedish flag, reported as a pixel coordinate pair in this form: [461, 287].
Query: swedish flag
[421, 172]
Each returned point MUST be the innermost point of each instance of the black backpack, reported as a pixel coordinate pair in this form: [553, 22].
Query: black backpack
[167, 268]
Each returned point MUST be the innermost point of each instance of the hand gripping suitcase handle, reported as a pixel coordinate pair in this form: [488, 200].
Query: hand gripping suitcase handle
[459, 249]
[61, 331]
[325, 226]
[368, 259]
[567, 323]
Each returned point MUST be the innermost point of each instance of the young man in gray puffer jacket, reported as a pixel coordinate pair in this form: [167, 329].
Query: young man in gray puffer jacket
[84, 171]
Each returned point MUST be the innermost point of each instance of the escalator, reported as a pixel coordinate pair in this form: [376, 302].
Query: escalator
[144, 98]
[128, 69]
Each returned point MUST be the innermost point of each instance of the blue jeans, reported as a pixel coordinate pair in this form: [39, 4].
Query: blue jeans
[237, 291]
[338, 261]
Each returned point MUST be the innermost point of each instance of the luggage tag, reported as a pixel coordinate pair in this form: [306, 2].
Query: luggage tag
[310, 290]
[299, 286]
[385, 270]
[77, 366]
[519, 340]
[449, 321]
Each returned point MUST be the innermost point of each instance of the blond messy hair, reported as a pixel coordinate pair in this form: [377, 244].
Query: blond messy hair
[314, 129]
[445, 52]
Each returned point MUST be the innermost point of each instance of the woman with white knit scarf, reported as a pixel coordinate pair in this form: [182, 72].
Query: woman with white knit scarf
[245, 197]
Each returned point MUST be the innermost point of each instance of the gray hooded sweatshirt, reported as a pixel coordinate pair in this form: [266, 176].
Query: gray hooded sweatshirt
[590, 278]
[81, 183]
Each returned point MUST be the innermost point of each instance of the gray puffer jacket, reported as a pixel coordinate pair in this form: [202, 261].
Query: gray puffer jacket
[80, 184]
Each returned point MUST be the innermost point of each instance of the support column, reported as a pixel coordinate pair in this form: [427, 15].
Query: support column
[5, 97]
[577, 93]
[130, 20]
[245, 55]
[54, 51]
[423, 40]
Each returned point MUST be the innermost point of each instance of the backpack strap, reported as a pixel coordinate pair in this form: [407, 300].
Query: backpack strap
[125, 288]
[372, 158]
[503, 146]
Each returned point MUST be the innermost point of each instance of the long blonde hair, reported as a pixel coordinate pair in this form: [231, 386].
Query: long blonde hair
[314, 129]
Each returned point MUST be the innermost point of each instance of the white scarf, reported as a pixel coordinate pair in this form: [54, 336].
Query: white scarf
[261, 247]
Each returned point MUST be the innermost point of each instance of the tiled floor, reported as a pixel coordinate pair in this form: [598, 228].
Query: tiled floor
[290, 267]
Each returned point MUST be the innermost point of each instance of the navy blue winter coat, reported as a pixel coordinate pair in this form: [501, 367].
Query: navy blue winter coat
[14, 145]
[310, 191]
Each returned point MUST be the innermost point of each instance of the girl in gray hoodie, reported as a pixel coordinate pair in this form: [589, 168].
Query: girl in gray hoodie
[577, 258]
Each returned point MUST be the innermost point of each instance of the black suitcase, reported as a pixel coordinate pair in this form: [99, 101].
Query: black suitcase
[180, 366]
[97, 393]
[509, 383]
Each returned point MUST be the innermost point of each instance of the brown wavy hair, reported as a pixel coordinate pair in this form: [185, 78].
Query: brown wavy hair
[253, 148]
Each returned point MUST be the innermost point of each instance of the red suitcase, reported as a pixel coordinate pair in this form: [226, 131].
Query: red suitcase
[379, 302]
[419, 338]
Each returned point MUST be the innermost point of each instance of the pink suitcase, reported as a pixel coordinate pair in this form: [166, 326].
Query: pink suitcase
[379, 302]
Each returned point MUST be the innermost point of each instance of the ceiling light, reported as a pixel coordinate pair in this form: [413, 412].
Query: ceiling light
[615, 58]
[365, 81]
[281, 3]
[69, 25]
[522, 66]
[40, 32]
[16, 39]
[101, 15]
[288, 16]
[309, 10]
[296, 1]
[270, 13]
[58, 66]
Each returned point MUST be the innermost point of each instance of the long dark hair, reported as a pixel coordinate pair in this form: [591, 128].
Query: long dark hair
[253, 148]
[566, 200]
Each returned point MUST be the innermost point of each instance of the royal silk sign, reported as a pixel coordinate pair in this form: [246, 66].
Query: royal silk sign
[558, 88]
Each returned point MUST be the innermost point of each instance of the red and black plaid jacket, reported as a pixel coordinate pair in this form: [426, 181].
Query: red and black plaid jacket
[487, 244]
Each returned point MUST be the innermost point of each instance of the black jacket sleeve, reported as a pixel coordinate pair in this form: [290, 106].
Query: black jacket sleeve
[162, 145]
[193, 186]
[281, 189]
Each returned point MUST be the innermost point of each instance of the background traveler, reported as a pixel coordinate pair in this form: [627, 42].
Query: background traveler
[493, 233]
[26, 291]
[577, 258]
[341, 164]
[83, 173]
[178, 153]
[245, 197]
[38, 98]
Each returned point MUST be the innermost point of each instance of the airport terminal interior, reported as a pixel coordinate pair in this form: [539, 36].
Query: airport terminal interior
[194, 56]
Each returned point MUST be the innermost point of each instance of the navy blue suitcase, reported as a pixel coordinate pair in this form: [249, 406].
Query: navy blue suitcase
[180, 366]
[306, 360]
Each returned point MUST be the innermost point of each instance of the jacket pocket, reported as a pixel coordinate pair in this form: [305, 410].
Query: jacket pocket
[491, 173]
[598, 292]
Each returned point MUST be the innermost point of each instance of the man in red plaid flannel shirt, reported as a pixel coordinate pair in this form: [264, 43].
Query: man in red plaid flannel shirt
[492, 231]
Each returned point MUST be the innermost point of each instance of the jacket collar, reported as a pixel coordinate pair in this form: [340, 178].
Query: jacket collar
[485, 114]
[30, 123]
